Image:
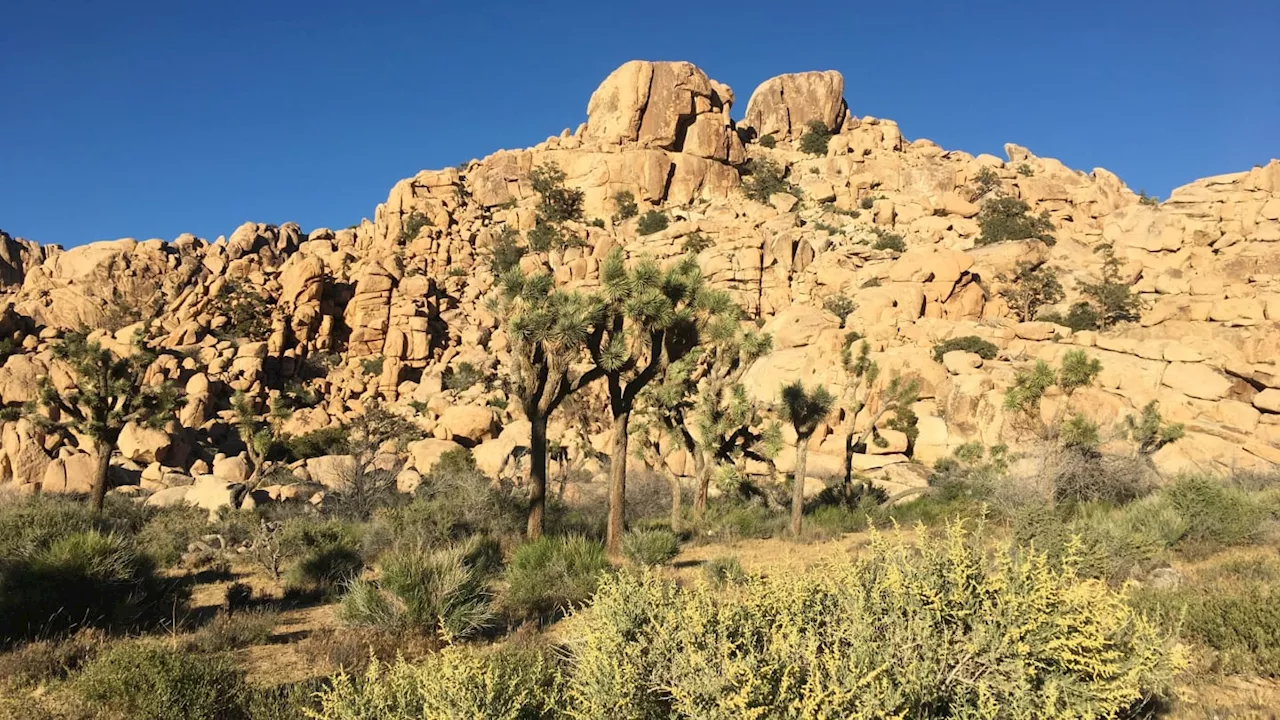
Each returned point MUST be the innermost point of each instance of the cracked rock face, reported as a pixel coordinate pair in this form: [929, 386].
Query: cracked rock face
[783, 106]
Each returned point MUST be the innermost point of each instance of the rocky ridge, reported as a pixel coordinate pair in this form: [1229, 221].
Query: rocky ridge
[389, 307]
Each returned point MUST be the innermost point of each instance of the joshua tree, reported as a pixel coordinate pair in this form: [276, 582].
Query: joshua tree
[895, 399]
[366, 486]
[649, 318]
[805, 410]
[109, 392]
[549, 330]
[255, 434]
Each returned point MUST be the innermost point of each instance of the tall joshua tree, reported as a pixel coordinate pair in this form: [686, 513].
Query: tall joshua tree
[109, 392]
[549, 331]
[805, 410]
[649, 318]
[894, 399]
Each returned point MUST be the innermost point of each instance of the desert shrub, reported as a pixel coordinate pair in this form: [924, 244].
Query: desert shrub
[558, 203]
[1238, 619]
[1033, 288]
[723, 570]
[625, 202]
[1216, 515]
[462, 377]
[1145, 199]
[1026, 170]
[834, 520]
[372, 365]
[839, 305]
[545, 236]
[869, 201]
[232, 631]
[443, 593]
[520, 682]
[985, 182]
[1113, 297]
[815, 138]
[455, 501]
[168, 532]
[327, 553]
[412, 225]
[695, 242]
[729, 521]
[552, 574]
[768, 141]
[1077, 472]
[291, 701]
[162, 683]
[887, 240]
[44, 661]
[650, 547]
[652, 222]
[332, 440]
[1080, 316]
[505, 253]
[765, 178]
[247, 313]
[1003, 219]
[968, 343]
[83, 579]
[938, 629]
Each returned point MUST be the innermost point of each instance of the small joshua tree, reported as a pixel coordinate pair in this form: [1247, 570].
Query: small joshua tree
[805, 410]
[109, 392]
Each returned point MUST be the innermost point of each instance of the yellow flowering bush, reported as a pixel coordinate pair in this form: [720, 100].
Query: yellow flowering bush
[936, 628]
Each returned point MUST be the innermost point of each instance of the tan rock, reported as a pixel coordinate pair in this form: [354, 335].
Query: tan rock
[426, 453]
[1268, 400]
[491, 456]
[144, 445]
[1196, 380]
[468, 422]
[332, 471]
[894, 442]
[783, 106]
[960, 362]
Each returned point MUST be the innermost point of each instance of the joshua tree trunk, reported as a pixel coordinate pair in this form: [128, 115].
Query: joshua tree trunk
[797, 488]
[101, 466]
[537, 475]
[617, 483]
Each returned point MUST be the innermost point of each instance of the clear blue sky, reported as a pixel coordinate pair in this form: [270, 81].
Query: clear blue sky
[143, 118]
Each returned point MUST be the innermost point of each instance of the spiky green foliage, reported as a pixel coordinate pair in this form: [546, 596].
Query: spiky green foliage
[549, 331]
[443, 593]
[650, 318]
[768, 141]
[805, 410]
[549, 576]
[257, 435]
[109, 392]
[1149, 432]
[840, 305]
[1078, 370]
[1032, 288]
[1005, 219]
[1029, 386]
[652, 222]
[941, 629]
[651, 547]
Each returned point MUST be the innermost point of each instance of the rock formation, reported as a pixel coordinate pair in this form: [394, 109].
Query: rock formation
[392, 307]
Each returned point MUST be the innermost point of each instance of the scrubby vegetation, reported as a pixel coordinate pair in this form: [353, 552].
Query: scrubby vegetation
[626, 207]
[968, 343]
[815, 139]
[652, 222]
[1003, 219]
[766, 177]
[888, 240]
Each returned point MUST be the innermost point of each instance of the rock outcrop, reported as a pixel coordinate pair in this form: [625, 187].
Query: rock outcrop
[394, 308]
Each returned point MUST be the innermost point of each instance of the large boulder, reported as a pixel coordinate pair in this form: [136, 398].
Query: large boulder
[70, 473]
[426, 453]
[783, 106]
[466, 422]
[331, 471]
[144, 445]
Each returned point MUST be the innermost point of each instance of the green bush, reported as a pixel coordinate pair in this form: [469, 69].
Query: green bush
[505, 253]
[160, 683]
[730, 521]
[768, 141]
[1004, 219]
[985, 182]
[968, 343]
[247, 313]
[513, 683]
[1238, 620]
[695, 242]
[83, 579]
[462, 377]
[332, 440]
[412, 225]
[169, 531]
[834, 520]
[232, 631]
[1112, 297]
[1216, 515]
[815, 138]
[43, 661]
[327, 553]
[625, 202]
[839, 305]
[1032, 289]
[1145, 199]
[650, 547]
[869, 201]
[551, 575]
[724, 570]
[652, 222]
[766, 177]
[887, 240]
[1081, 316]
[558, 203]
[443, 593]
[372, 365]
[940, 629]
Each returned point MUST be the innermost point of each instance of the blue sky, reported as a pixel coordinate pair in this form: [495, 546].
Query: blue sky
[149, 119]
